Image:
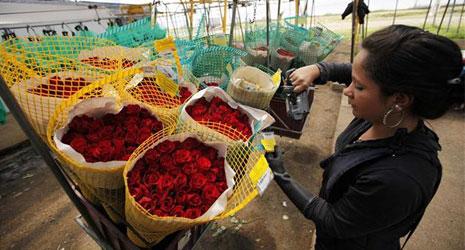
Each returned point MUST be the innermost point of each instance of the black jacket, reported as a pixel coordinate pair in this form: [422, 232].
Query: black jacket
[373, 192]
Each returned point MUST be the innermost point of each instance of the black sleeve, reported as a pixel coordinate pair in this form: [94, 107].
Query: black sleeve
[335, 72]
[372, 203]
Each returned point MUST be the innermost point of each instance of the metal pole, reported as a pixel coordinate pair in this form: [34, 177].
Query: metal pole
[354, 30]
[450, 17]
[268, 33]
[233, 22]
[366, 22]
[42, 149]
[395, 12]
[427, 13]
[279, 11]
[460, 19]
[443, 16]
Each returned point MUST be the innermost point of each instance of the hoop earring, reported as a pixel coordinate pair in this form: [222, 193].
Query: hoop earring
[390, 112]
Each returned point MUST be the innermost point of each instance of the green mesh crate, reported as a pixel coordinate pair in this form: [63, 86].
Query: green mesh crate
[214, 65]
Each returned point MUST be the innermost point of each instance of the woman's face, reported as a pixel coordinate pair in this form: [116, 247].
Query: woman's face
[364, 95]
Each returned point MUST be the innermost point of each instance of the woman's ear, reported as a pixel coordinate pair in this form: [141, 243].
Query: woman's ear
[404, 101]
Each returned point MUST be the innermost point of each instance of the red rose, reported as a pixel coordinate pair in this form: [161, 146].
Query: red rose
[192, 213]
[151, 155]
[160, 213]
[211, 176]
[165, 183]
[131, 109]
[68, 137]
[204, 208]
[182, 156]
[181, 180]
[79, 144]
[106, 150]
[144, 134]
[198, 109]
[194, 200]
[189, 168]
[151, 179]
[96, 125]
[93, 137]
[195, 154]
[146, 202]
[166, 146]
[184, 93]
[190, 143]
[167, 204]
[140, 191]
[106, 132]
[222, 186]
[131, 138]
[210, 152]
[167, 162]
[210, 193]
[177, 211]
[174, 172]
[198, 180]
[203, 163]
[181, 198]
[92, 153]
[109, 119]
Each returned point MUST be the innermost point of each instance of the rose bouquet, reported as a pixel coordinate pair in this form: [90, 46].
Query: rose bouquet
[98, 138]
[282, 59]
[113, 57]
[100, 133]
[39, 96]
[176, 183]
[213, 105]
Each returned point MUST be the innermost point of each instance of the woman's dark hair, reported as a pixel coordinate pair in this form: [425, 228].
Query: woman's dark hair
[409, 60]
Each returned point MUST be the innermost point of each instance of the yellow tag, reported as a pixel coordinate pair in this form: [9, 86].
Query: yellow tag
[276, 78]
[166, 83]
[258, 170]
[269, 144]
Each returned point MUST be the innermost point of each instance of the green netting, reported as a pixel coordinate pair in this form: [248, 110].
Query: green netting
[213, 65]
[134, 34]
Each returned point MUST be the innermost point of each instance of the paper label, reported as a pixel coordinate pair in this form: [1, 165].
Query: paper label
[276, 78]
[268, 141]
[261, 175]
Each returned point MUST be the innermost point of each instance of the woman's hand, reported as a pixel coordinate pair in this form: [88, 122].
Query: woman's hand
[275, 160]
[302, 78]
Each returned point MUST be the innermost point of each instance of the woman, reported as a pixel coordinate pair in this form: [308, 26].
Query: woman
[385, 169]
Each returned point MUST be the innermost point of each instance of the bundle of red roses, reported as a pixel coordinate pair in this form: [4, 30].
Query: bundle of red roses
[110, 136]
[217, 110]
[178, 177]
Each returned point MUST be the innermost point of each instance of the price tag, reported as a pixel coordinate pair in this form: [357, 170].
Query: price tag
[276, 78]
[268, 141]
[261, 175]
